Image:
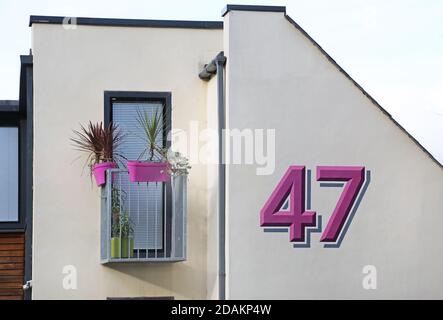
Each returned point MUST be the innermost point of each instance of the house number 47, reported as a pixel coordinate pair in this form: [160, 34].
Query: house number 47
[292, 188]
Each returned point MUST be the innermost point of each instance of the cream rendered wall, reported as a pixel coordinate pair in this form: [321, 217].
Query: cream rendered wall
[72, 69]
[276, 78]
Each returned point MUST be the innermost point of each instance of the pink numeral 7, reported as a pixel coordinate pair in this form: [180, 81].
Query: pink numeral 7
[292, 186]
[355, 177]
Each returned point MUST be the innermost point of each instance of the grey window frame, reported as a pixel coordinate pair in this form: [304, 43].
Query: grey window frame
[13, 119]
[148, 96]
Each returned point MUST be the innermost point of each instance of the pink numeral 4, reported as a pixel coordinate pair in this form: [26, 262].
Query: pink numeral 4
[292, 185]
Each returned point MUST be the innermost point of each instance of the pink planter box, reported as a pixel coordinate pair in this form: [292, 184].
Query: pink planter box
[148, 171]
[99, 171]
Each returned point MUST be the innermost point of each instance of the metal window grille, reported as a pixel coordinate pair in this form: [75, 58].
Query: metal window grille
[143, 222]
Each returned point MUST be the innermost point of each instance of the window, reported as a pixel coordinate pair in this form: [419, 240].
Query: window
[9, 186]
[148, 218]
[157, 210]
[15, 166]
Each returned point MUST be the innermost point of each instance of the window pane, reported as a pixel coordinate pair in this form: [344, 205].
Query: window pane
[143, 201]
[8, 174]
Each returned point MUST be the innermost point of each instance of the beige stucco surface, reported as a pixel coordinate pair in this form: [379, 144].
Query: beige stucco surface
[276, 78]
[72, 69]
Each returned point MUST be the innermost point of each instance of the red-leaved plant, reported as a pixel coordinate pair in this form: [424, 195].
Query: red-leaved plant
[99, 142]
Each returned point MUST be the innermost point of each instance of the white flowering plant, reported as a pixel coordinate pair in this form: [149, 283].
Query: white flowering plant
[178, 165]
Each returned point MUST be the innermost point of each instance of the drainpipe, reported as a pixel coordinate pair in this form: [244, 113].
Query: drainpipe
[216, 66]
[221, 60]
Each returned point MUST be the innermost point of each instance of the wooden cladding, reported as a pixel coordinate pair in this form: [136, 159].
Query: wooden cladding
[12, 265]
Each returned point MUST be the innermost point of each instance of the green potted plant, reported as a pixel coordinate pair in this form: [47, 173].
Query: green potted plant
[99, 143]
[155, 168]
[122, 230]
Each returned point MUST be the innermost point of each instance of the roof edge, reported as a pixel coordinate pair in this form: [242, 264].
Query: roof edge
[26, 66]
[239, 7]
[125, 22]
[26, 59]
[8, 102]
[365, 93]
[9, 106]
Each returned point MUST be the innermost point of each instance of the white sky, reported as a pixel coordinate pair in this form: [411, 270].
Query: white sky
[392, 48]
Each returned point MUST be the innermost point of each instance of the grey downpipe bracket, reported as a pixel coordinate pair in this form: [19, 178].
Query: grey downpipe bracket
[210, 69]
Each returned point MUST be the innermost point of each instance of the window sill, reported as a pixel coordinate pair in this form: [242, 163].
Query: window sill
[142, 260]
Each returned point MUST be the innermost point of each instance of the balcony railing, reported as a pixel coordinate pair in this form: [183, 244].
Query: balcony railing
[143, 222]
